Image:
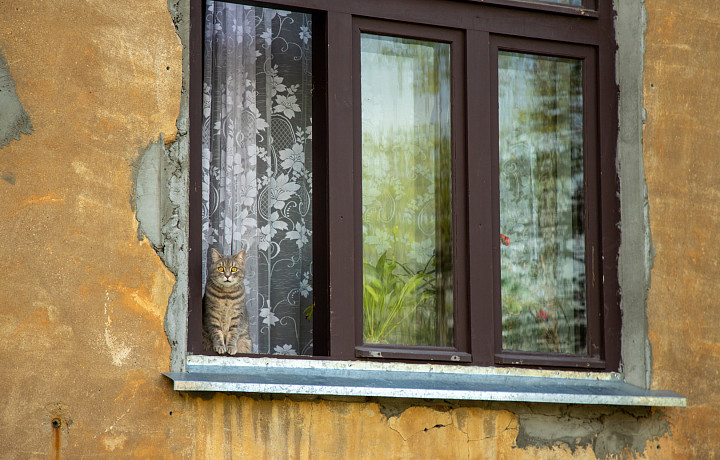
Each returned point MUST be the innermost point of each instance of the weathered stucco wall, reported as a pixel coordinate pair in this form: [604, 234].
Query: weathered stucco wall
[83, 299]
[682, 160]
[84, 317]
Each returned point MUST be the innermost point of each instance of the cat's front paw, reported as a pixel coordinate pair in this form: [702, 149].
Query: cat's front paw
[231, 349]
[220, 349]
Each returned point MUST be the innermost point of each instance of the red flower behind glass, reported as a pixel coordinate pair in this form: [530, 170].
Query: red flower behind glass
[505, 240]
[542, 314]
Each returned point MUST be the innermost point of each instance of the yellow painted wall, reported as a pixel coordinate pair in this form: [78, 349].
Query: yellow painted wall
[682, 161]
[83, 300]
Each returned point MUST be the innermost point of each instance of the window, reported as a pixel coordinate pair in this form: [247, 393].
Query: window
[418, 180]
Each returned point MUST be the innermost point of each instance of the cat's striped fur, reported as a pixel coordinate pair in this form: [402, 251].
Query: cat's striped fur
[225, 318]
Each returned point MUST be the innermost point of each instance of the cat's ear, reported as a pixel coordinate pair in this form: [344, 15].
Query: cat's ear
[214, 256]
[240, 257]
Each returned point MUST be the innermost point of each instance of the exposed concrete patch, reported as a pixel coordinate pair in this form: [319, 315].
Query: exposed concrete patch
[636, 249]
[14, 120]
[8, 176]
[160, 201]
[607, 430]
[154, 179]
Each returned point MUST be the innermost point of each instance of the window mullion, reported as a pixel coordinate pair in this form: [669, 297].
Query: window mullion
[341, 194]
[481, 214]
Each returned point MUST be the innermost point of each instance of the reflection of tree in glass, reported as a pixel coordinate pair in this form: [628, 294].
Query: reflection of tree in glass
[402, 222]
[542, 203]
[406, 183]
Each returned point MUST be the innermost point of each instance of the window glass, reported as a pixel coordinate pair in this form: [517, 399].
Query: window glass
[565, 2]
[542, 203]
[406, 191]
[257, 164]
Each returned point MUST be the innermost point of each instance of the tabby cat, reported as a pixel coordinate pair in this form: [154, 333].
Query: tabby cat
[225, 318]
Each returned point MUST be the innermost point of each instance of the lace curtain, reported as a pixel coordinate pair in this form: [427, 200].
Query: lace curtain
[257, 163]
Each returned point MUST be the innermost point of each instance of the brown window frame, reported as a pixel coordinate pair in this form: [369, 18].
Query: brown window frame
[477, 29]
[460, 352]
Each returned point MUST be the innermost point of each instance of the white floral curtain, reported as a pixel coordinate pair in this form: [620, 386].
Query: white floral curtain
[257, 162]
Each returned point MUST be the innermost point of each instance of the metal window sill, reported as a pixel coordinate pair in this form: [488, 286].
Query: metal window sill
[424, 381]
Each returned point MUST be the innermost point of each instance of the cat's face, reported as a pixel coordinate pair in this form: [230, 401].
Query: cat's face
[227, 271]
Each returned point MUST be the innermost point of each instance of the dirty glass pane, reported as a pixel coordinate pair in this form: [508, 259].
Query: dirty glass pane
[542, 241]
[406, 192]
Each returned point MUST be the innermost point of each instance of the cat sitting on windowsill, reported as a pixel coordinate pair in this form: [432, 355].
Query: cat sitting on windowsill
[225, 318]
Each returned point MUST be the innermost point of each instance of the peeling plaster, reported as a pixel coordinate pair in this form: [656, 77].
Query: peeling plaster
[14, 120]
[160, 201]
[607, 430]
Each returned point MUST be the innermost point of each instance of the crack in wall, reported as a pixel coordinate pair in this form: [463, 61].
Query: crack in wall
[423, 430]
[608, 430]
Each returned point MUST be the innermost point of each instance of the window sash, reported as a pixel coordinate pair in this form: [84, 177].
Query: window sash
[460, 350]
[591, 167]
[482, 31]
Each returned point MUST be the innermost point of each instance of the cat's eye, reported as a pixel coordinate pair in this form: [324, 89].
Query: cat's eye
[234, 269]
[221, 269]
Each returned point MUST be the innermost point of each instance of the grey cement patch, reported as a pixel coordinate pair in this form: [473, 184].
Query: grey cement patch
[175, 229]
[636, 248]
[160, 201]
[8, 176]
[14, 120]
[152, 173]
[609, 433]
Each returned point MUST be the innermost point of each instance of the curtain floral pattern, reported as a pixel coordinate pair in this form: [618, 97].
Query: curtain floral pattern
[257, 163]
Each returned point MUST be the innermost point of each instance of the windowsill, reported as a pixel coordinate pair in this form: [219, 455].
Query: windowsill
[424, 381]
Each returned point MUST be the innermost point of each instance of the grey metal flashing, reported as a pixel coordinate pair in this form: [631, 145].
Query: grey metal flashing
[424, 381]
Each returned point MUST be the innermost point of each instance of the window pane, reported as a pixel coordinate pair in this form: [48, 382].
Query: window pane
[406, 192]
[542, 203]
[565, 2]
[257, 165]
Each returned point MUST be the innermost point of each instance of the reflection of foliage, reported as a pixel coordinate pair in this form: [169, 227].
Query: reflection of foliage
[533, 317]
[399, 191]
[388, 298]
[542, 203]
[407, 210]
[406, 181]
